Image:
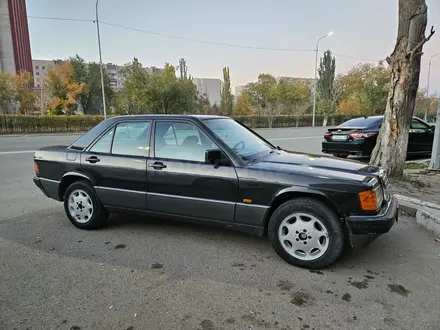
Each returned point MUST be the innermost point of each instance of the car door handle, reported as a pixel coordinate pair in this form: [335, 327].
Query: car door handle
[157, 165]
[92, 159]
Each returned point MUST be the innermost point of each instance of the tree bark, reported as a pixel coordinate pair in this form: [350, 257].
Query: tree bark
[324, 122]
[392, 143]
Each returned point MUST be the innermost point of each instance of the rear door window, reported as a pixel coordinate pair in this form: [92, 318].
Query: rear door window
[131, 139]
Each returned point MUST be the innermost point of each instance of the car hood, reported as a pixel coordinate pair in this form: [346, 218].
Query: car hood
[285, 161]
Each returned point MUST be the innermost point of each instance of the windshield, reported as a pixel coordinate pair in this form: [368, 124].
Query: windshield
[242, 141]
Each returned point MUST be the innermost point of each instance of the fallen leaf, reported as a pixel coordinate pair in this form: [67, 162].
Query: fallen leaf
[110, 307]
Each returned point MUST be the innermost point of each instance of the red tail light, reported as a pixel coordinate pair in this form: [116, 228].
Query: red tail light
[361, 135]
[327, 134]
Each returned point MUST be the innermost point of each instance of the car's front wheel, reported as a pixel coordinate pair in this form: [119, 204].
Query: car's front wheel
[83, 207]
[306, 233]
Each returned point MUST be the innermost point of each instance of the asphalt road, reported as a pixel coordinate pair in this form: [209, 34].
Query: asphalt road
[141, 273]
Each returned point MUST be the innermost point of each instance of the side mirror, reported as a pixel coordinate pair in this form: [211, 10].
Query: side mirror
[432, 128]
[215, 157]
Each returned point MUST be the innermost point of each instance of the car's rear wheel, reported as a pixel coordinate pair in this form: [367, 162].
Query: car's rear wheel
[341, 155]
[306, 233]
[83, 207]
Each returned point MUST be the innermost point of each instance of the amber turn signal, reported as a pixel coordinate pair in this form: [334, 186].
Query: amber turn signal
[36, 168]
[368, 200]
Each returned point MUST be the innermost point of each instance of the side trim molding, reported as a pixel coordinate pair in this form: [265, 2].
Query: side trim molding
[49, 180]
[121, 190]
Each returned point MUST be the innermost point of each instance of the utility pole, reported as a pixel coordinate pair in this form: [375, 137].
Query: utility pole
[435, 155]
[427, 87]
[100, 62]
[316, 78]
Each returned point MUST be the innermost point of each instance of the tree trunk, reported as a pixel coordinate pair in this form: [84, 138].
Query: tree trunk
[324, 122]
[392, 143]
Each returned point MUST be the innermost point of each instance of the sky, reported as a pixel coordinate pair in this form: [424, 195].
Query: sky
[363, 30]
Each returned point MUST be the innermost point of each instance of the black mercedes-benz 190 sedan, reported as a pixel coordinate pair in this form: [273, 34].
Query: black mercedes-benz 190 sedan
[358, 137]
[214, 170]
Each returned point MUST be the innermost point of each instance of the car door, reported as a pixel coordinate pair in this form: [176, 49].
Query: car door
[180, 182]
[117, 164]
[421, 137]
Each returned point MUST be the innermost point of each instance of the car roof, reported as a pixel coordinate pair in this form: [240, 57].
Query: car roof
[201, 117]
[84, 140]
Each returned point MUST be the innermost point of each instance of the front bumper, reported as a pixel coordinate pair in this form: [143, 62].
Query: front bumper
[374, 225]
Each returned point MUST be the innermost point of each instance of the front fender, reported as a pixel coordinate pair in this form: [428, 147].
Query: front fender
[305, 191]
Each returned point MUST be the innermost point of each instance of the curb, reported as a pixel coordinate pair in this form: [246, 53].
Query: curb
[427, 214]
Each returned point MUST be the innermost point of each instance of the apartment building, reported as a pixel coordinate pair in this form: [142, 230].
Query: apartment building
[210, 87]
[15, 47]
[39, 70]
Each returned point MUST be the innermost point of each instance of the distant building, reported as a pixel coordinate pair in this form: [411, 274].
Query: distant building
[239, 90]
[40, 69]
[210, 87]
[117, 78]
[154, 71]
[15, 47]
[296, 79]
[115, 75]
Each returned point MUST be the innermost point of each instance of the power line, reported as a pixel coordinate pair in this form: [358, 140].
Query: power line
[192, 39]
[206, 41]
[56, 18]
[355, 58]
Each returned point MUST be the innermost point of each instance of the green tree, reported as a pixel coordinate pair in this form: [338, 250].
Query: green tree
[163, 93]
[203, 106]
[183, 69]
[364, 90]
[133, 98]
[243, 104]
[90, 76]
[227, 99]
[25, 98]
[264, 95]
[6, 90]
[325, 88]
[295, 97]
[93, 98]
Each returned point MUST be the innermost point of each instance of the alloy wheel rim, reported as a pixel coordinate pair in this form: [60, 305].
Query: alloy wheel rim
[80, 206]
[303, 236]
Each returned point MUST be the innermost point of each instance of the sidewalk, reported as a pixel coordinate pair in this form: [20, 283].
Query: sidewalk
[419, 196]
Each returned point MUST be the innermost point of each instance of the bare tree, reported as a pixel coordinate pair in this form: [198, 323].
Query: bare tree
[392, 143]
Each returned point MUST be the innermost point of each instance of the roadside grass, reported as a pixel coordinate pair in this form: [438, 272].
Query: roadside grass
[417, 165]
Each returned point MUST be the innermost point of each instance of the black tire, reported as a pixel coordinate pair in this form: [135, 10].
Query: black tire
[99, 214]
[325, 215]
[340, 155]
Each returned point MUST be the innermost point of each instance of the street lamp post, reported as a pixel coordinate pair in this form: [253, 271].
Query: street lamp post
[427, 87]
[100, 62]
[316, 78]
